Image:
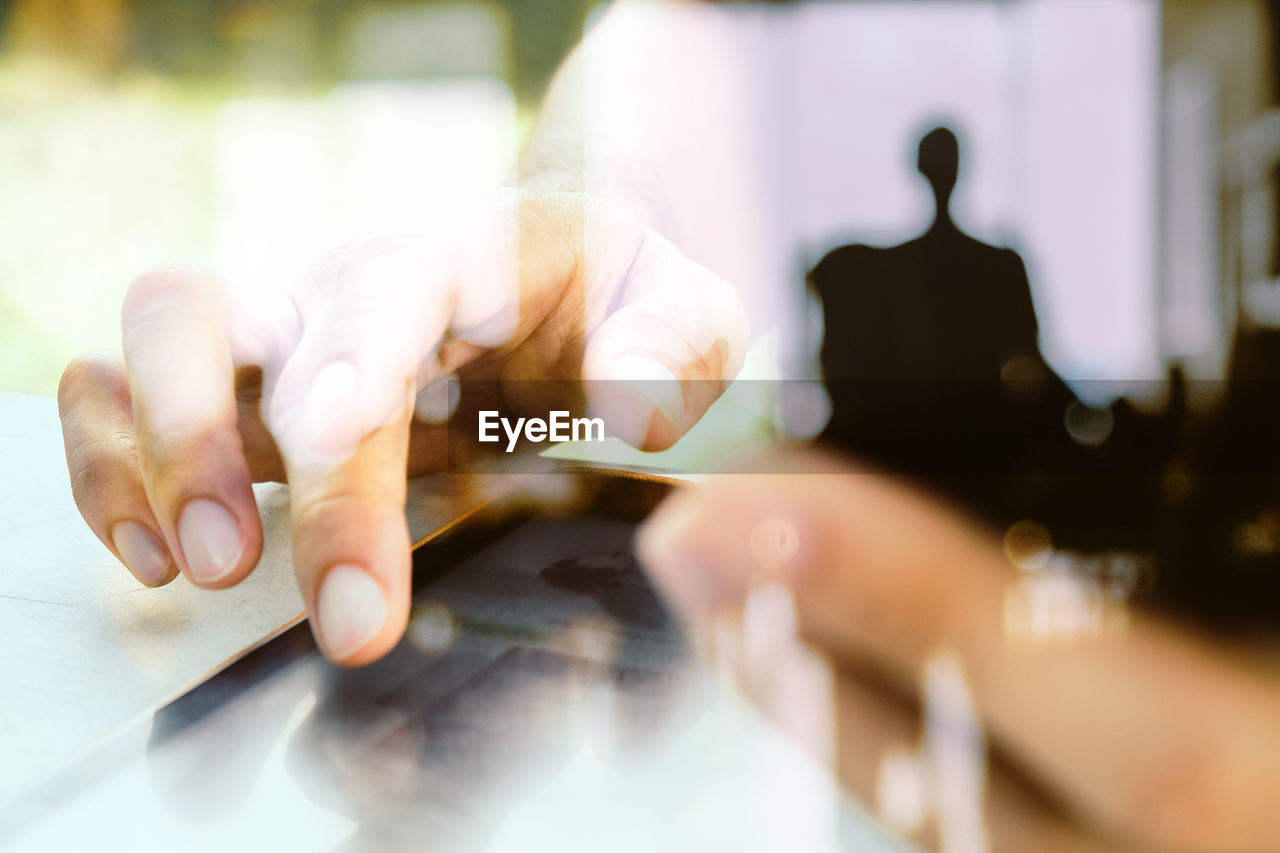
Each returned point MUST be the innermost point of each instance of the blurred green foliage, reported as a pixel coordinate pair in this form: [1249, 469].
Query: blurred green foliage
[109, 110]
[208, 39]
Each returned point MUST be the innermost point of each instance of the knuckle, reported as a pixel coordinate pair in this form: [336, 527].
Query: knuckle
[320, 509]
[95, 466]
[339, 519]
[325, 271]
[86, 373]
[344, 522]
[87, 480]
[205, 450]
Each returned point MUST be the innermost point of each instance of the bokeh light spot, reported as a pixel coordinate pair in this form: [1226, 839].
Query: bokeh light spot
[774, 542]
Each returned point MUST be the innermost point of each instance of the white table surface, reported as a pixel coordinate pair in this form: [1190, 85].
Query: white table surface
[88, 654]
[84, 648]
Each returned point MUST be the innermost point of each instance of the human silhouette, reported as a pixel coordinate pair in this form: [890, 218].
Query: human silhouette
[941, 307]
[931, 360]
[933, 366]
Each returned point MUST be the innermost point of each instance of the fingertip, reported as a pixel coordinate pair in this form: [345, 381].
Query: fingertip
[351, 549]
[355, 620]
[654, 381]
[665, 545]
[708, 545]
[218, 547]
[172, 575]
[659, 538]
[640, 400]
[143, 553]
[662, 433]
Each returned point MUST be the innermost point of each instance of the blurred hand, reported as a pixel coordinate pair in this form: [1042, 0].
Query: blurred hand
[315, 383]
[1141, 736]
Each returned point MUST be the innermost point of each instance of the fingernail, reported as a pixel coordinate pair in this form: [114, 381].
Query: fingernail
[655, 382]
[142, 553]
[210, 539]
[350, 610]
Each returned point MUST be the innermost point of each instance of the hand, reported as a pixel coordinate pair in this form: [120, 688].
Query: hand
[315, 383]
[1137, 734]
